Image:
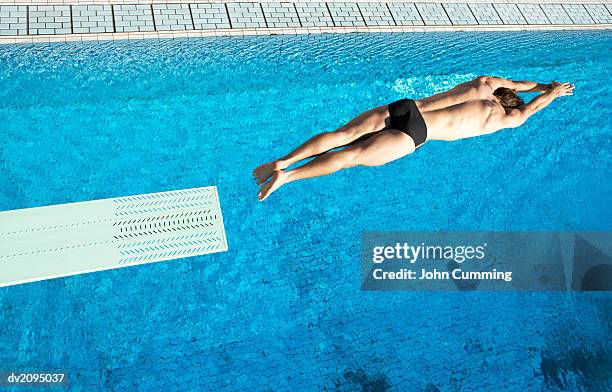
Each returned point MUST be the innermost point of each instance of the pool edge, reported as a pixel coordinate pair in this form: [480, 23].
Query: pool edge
[15, 39]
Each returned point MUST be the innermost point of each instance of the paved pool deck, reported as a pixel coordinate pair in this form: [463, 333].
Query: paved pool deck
[82, 20]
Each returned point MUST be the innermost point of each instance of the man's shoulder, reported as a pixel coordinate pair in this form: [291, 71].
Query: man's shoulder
[501, 117]
[488, 84]
[482, 79]
[489, 102]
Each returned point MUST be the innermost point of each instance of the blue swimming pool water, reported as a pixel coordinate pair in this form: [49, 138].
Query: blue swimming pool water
[283, 310]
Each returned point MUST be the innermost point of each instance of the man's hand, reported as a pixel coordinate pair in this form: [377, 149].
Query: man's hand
[562, 89]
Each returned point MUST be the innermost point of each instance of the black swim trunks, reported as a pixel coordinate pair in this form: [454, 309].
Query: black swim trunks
[406, 117]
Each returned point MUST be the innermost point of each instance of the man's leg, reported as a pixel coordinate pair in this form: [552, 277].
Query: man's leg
[379, 149]
[371, 121]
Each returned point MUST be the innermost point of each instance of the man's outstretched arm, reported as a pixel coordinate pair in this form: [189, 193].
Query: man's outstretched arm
[518, 85]
[518, 116]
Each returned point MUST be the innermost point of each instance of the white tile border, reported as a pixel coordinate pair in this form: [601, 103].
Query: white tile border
[287, 31]
[45, 2]
[428, 27]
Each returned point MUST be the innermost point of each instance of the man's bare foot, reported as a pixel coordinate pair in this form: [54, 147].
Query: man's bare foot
[263, 172]
[279, 177]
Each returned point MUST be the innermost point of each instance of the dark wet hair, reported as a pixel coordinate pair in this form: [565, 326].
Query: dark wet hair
[508, 97]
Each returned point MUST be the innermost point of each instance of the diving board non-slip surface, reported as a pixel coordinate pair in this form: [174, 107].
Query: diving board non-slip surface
[67, 239]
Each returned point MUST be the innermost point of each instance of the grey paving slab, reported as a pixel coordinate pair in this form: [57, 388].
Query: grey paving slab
[210, 16]
[433, 14]
[281, 14]
[599, 13]
[246, 15]
[346, 14]
[460, 14]
[556, 14]
[88, 19]
[182, 15]
[533, 14]
[133, 17]
[405, 14]
[509, 13]
[485, 14]
[314, 14]
[49, 19]
[13, 20]
[578, 14]
[172, 17]
[376, 14]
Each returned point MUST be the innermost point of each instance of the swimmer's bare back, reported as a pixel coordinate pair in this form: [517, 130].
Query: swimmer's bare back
[389, 132]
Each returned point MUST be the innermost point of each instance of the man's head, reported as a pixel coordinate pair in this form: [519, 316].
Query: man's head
[508, 98]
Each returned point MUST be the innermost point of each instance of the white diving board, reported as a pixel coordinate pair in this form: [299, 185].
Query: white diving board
[67, 239]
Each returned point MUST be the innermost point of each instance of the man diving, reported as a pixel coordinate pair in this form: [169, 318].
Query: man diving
[386, 133]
